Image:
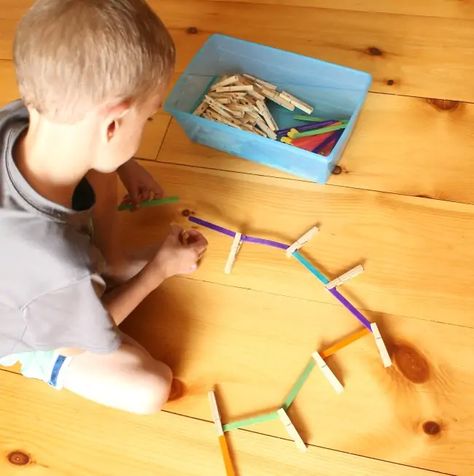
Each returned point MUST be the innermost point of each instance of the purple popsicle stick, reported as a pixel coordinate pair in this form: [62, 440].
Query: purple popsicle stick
[226, 231]
[306, 127]
[350, 307]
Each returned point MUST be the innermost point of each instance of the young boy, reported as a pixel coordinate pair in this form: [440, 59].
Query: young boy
[90, 73]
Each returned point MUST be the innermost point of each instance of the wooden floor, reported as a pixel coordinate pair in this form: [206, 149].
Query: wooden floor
[403, 205]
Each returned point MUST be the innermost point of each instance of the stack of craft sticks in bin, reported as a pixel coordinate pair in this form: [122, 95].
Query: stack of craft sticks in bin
[239, 101]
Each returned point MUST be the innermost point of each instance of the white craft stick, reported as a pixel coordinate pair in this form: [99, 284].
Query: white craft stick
[387, 361]
[234, 249]
[352, 273]
[291, 430]
[301, 241]
[225, 82]
[215, 412]
[298, 103]
[327, 372]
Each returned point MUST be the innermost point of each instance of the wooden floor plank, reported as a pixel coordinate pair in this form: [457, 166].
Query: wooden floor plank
[254, 345]
[417, 252]
[62, 434]
[431, 8]
[402, 145]
[410, 55]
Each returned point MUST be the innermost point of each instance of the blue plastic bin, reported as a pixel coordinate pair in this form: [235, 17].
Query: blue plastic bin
[336, 92]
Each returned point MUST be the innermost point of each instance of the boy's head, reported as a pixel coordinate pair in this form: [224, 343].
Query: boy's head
[109, 60]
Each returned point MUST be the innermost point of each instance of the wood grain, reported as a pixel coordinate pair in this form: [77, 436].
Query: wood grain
[56, 433]
[254, 345]
[403, 145]
[432, 8]
[423, 56]
[417, 253]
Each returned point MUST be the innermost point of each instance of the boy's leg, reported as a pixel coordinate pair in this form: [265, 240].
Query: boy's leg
[128, 379]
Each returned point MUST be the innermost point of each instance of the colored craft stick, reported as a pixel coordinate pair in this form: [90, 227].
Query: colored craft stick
[350, 307]
[250, 421]
[302, 117]
[299, 384]
[149, 203]
[306, 127]
[229, 468]
[247, 239]
[334, 291]
[212, 226]
[312, 269]
[327, 143]
[344, 342]
[316, 132]
[310, 143]
[263, 241]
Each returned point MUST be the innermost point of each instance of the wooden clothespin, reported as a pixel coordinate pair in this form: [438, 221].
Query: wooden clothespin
[234, 249]
[229, 468]
[352, 273]
[291, 430]
[298, 103]
[387, 361]
[327, 372]
[301, 241]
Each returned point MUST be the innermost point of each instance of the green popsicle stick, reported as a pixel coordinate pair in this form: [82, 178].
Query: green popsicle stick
[317, 132]
[299, 384]
[149, 203]
[302, 117]
[251, 421]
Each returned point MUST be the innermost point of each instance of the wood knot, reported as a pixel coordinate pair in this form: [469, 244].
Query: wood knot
[412, 364]
[18, 458]
[431, 427]
[337, 170]
[192, 30]
[187, 213]
[374, 51]
[443, 104]
[390, 82]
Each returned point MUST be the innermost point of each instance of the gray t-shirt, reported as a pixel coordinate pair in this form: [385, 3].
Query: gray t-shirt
[49, 283]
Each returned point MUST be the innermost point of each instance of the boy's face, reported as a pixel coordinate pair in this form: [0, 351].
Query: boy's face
[123, 131]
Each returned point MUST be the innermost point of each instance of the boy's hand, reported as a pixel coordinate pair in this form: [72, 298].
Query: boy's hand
[179, 254]
[139, 183]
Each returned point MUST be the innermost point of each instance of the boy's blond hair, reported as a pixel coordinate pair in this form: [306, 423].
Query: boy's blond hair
[74, 55]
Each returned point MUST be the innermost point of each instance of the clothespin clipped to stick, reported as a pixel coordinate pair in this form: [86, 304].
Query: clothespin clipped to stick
[387, 361]
[327, 372]
[300, 242]
[291, 430]
[352, 273]
[234, 249]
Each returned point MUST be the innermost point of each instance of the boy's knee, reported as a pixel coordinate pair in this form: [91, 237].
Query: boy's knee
[152, 390]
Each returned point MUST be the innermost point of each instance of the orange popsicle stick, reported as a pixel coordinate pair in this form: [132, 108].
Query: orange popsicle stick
[229, 468]
[344, 342]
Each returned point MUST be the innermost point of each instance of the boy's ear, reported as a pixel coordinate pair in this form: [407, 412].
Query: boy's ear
[112, 119]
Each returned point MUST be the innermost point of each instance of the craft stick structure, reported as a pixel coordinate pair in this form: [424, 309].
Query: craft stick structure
[229, 467]
[149, 203]
[318, 357]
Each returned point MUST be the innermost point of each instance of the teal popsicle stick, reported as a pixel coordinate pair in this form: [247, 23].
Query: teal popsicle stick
[250, 421]
[317, 132]
[299, 384]
[311, 268]
[149, 203]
